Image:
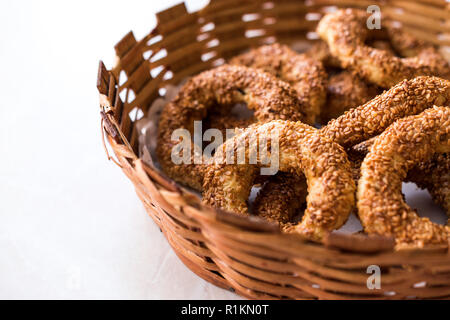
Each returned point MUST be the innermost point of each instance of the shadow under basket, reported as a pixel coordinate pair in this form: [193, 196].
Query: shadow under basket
[247, 255]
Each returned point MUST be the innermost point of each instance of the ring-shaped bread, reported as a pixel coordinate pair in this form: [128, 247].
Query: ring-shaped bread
[409, 97]
[381, 205]
[433, 175]
[346, 31]
[361, 125]
[301, 150]
[269, 98]
[306, 75]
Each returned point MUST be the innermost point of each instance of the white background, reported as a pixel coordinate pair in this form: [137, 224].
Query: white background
[71, 225]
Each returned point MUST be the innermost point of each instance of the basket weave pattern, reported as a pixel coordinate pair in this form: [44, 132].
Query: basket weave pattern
[249, 256]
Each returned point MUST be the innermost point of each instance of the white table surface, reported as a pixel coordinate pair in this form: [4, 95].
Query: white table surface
[71, 226]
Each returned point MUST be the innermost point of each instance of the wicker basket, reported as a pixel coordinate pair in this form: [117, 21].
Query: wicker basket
[247, 255]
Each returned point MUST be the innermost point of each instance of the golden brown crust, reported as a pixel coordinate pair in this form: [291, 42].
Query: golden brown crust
[345, 31]
[407, 98]
[302, 150]
[344, 92]
[321, 52]
[409, 46]
[433, 175]
[381, 206]
[306, 75]
[269, 98]
[283, 195]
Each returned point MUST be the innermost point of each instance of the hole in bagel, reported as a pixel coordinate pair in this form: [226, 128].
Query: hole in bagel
[223, 117]
[241, 111]
[381, 39]
[416, 198]
[421, 201]
[261, 183]
[353, 225]
[382, 43]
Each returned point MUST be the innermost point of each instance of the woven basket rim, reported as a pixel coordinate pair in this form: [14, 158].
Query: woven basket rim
[168, 196]
[339, 240]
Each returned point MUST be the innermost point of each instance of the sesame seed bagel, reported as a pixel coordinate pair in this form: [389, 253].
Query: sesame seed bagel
[409, 97]
[356, 131]
[269, 98]
[381, 206]
[282, 196]
[433, 175]
[302, 150]
[306, 75]
[346, 30]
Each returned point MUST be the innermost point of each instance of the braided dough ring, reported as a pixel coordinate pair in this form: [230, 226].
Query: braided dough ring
[302, 150]
[306, 75]
[407, 98]
[381, 206]
[345, 32]
[269, 98]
